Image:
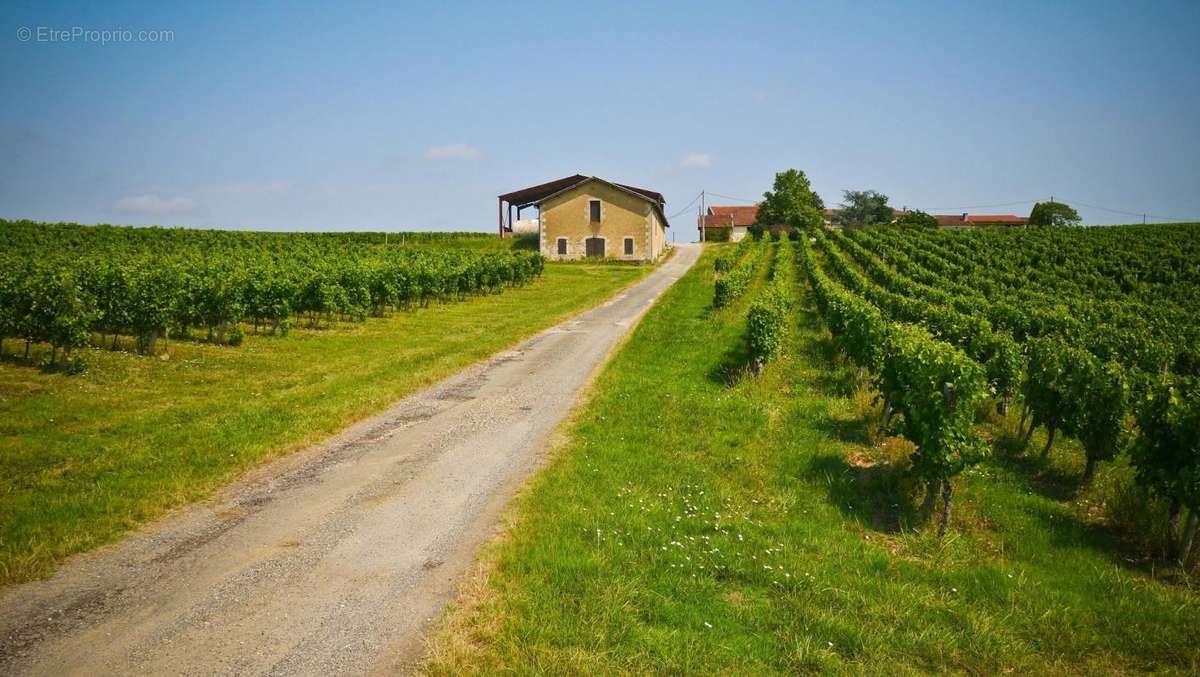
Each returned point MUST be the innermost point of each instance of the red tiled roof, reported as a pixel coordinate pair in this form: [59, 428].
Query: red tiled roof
[949, 219]
[718, 221]
[731, 215]
[996, 218]
[1000, 219]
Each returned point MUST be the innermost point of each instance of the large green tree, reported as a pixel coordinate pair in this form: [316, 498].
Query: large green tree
[792, 202]
[864, 208]
[1053, 214]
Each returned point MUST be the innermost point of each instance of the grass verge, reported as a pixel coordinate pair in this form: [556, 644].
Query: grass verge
[696, 523]
[85, 458]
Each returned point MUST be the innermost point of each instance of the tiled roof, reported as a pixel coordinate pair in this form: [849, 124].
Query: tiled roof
[996, 218]
[735, 215]
[959, 219]
[533, 194]
[536, 194]
[718, 221]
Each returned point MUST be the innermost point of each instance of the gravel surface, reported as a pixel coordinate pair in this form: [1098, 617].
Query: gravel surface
[335, 559]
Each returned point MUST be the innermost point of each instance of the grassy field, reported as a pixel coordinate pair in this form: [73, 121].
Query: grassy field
[85, 458]
[697, 520]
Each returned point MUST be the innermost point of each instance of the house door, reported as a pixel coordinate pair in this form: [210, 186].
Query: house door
[594, 246]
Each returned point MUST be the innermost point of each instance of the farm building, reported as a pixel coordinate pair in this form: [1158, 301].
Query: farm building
[586, 216]
[727, 223]
[966, 220]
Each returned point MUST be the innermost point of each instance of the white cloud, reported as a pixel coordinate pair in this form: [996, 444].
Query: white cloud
[696, 161]
[454, 151]
[150, 203]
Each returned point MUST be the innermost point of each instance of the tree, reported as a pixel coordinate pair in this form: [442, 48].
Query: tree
[864, 208]
[917, 217]
[1053, 214]
[792, 202]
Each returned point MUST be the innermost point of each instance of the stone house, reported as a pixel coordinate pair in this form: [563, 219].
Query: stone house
[586, 216]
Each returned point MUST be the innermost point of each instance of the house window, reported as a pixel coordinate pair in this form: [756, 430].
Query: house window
[562, 246]
[629, 246]
[594, 210]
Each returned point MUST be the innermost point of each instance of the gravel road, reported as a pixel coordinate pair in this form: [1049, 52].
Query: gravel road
[333, 560]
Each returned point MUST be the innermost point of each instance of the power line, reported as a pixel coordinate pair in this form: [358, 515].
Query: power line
[730, 197]
[1000, 204]
[1125, 213]
[1062, 200]
[689, 206]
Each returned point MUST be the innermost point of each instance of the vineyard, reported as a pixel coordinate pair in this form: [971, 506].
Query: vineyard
[1092, 333]
[760, 478]
[71, 286]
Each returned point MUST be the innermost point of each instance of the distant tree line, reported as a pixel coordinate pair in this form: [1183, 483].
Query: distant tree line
[792, 202]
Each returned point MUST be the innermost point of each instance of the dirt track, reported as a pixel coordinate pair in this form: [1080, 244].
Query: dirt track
[335, 559]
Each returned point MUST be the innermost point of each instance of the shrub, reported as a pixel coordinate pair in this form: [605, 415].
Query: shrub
[935, 386]
[1166, 454]
[766, 324]
[733, 283]
[766, 321]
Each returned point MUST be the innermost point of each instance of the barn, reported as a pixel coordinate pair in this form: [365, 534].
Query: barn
[586, 216]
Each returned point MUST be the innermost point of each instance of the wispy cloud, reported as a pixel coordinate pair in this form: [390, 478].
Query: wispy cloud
[696, 161]
[454, 151]
[151, 203]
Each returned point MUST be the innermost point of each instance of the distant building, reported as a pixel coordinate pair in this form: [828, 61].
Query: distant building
[966, 220]
[963, 220]
[586, 216]
[727, 223]
[723, 223]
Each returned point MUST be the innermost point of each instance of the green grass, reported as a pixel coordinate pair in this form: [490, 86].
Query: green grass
[694, 523]
[85, 458]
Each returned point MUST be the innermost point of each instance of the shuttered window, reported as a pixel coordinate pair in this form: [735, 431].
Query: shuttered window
[562, 246]
[629, 246]
[594, 211]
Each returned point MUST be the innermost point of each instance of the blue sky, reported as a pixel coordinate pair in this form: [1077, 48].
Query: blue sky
[393, 116]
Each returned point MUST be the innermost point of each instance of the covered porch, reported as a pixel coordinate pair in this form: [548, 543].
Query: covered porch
[510, 205]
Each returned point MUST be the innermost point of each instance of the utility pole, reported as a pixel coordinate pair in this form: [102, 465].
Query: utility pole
[700, 219]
